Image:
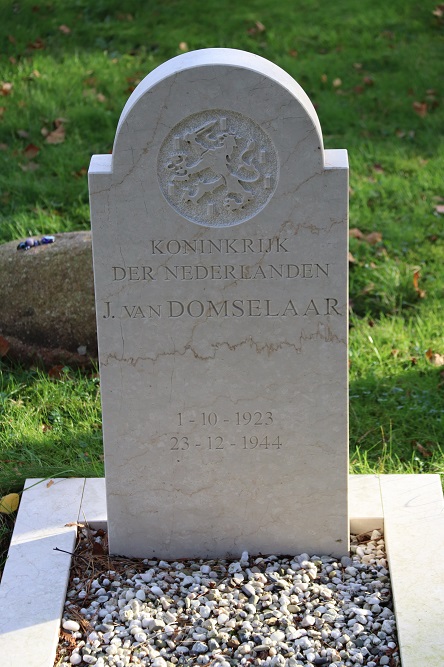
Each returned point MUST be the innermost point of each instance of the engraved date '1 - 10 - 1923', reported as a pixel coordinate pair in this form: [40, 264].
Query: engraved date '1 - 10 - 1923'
[239, 419]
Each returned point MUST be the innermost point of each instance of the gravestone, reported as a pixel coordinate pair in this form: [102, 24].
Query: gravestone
[220, 257]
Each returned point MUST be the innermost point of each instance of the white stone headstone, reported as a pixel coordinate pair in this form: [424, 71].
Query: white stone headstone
[220, 258]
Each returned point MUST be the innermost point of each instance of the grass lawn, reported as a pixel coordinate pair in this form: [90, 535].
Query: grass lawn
[373, 70]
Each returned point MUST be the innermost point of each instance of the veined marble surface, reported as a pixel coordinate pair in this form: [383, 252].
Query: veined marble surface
[220, 258]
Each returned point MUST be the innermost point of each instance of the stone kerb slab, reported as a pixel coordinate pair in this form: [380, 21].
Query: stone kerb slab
[220, 258]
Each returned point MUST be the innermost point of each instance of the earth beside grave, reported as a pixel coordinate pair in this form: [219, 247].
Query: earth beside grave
[220, 257]
[47, 300]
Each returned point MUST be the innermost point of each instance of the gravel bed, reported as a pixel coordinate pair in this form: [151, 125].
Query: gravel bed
[267, 611]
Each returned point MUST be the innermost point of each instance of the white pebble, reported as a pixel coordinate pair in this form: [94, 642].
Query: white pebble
[75, 659]
[204, 611]
[73, 626]
[159, 662]
[222, 619]
[307, 621]
[249, 590]
[199, 647]
[277, 636]
[234, 567]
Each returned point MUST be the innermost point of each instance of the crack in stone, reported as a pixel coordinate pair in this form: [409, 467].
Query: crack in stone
[328, 336]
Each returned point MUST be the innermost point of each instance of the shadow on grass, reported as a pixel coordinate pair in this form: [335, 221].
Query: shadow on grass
[397, 422]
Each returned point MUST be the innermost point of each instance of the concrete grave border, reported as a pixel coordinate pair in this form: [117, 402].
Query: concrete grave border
[409, 509]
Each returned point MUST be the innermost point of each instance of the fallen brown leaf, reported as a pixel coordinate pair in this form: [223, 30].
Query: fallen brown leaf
[57, 136]
[351, 259]
[80, 173]
[50, 483]
[379, 168]
[421, 449]
[3, 147]
[373, 238]
[68, 637]
[97, 549]
[355, 233]
[37, 44]
[64, 29]
[55, 372]
[420, 108]
[31, 151]
[439, 208]
[337, 82]
[100, 98]
[420, 292]
[5, 88]
[436, 359]
[4, 346]
[183, 46]
[257, 28]
[74, 523]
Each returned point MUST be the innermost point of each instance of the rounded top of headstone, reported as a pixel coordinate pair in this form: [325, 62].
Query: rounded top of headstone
[221, 57]
[220, 132]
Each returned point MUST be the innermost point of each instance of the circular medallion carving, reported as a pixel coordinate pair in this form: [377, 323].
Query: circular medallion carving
[217, 168]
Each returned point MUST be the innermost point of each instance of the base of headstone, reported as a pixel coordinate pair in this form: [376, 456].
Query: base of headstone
[408, 508]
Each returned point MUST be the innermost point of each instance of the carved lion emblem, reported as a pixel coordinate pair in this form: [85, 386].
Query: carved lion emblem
[217, 168]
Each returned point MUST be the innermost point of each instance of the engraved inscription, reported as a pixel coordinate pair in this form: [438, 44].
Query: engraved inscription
[239, 418]
[258, 418]
[218, 272]
[195, 308]
[217, 168]
[218, 442]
